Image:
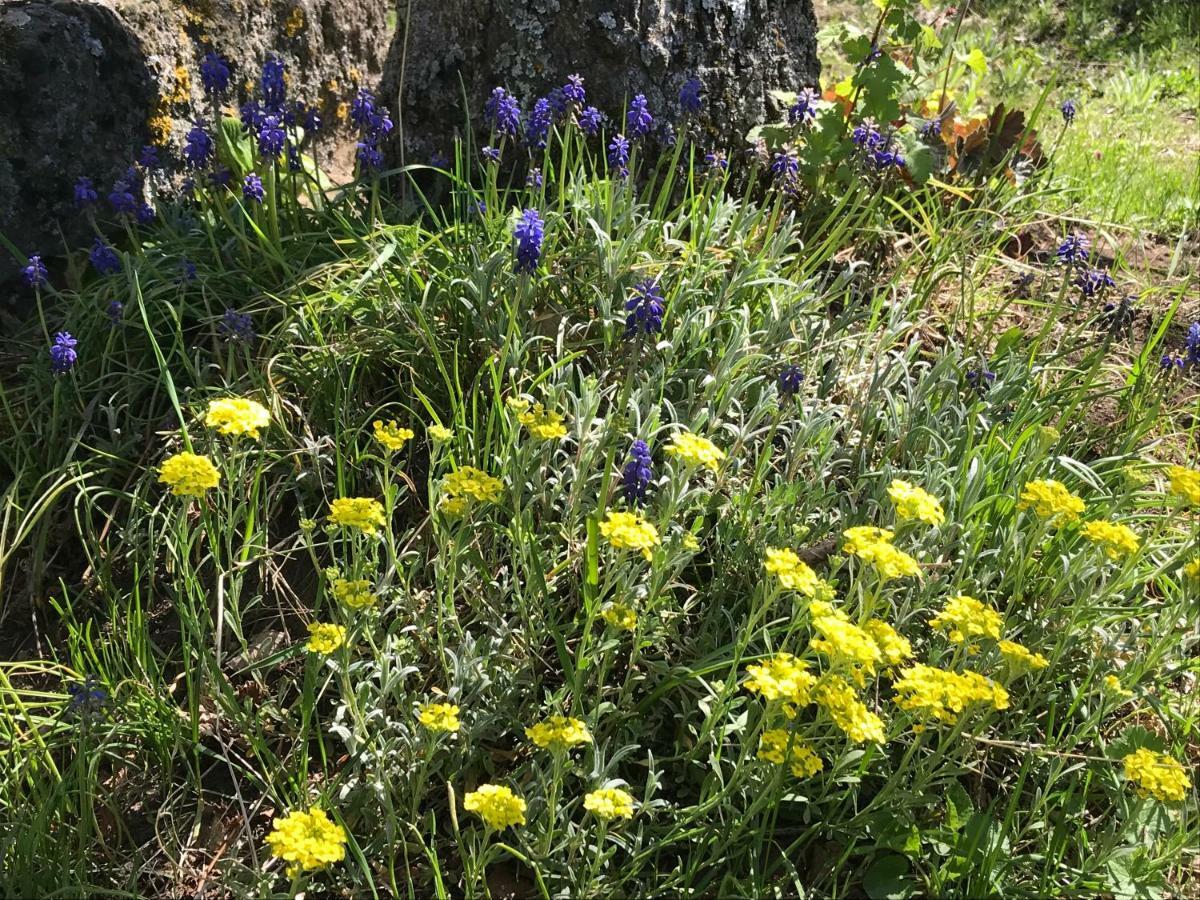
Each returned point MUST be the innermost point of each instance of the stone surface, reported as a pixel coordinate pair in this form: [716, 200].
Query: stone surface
[740, 49]
[84, 85]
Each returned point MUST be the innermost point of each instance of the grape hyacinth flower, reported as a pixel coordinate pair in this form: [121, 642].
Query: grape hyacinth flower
[638, 119]
[312, 120]
[790, 380]
[146, 214]
[533, 180]
[87, 698]
[1068, 111]
[503, 112]
[369, 155]
[104, 259]
[252, 115]
[1171, 362]
[1074, 249]
[271, 137]
[715, 161]
[439, 160]
[197, 147]
[214, 73]
[590, 121]
[1092, 282]
[294, 162]
[62, 353]
[236, 326]
[362, 108]
[252, 188]
[537, 129]
[187, 270]
[666, 134]
[35, 274]
[882, 159]
[559, 104]
[1192, 344]
[116, 312]
[637, 474]
[573, 91]
[220, 177]
[148, 158]
[618, 155]
[645, 309]
[529, 232]
[121, 199]
[690, 101]
[85, 192]
[866, 135]
[980, 380]
[491, 154]
[785, 166]
[274, 88]
[804, 110]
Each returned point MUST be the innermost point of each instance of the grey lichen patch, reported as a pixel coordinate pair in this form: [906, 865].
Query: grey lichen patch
[742, 48]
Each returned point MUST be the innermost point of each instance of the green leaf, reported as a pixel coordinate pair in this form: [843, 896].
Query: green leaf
[918, 156]
[775, 134]
[976, 61]
[885, 880]
[1007, 341]
[958, 806]
[783, 98]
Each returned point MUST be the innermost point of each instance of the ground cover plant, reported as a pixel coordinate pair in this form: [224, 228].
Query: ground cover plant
[597, 512]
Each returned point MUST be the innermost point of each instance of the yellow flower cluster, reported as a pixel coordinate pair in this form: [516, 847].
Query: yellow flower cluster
[781, 677]
[1157, 775]
[1117, 540]
[325, 637]
[189, 475]
[355, 594]
[965, 618]
[894, 647]
[497, 805]
[440, 433]
[559, 733]
[439, 716]
[237, 416]
[845, 643]
[913, 502]
[609, 803]
[1185, 483]
[620, 615]
[544, 424]
[874, 547]
[695, 450]
[774, 747]
[629, 531]
[793, 573]
[362, 513]
[1051, 500]
[1021, 657]
[1192, 569]
[391, 435]
[1112, 684]
[465, 485]
[307, 840]
[837, 698]
[940, 694]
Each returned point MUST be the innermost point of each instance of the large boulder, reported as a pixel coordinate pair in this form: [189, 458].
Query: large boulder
[84, 85]
[739, 49]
